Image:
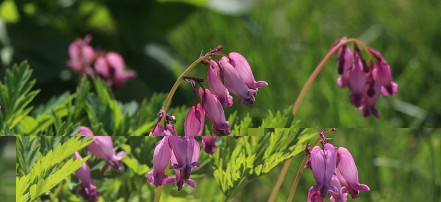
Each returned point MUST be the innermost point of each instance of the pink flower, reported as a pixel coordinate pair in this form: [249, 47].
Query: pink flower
[184, 158]
[384, 74]
[81, 56]
[341, 195]
[242, 67]
[216, 85]
[102, 148]
[88, 189]
[323, 163]
[236, 84]
[347, 173]
[373, 93]
[314, 195]
[111, 67]
[345, 57]
[159, 131]
[345, 61]
[161, 159]
[357, 83]
[195, 120]
[208, 143]
[365, 82]
[215, 112]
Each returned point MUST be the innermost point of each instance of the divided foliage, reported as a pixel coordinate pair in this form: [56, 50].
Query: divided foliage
[38, 175]
[42, 161]
[15, 96]
[96, 108]
[238, 161]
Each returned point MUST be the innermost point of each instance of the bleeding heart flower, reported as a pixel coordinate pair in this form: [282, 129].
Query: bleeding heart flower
[347, 173]
[88, 189]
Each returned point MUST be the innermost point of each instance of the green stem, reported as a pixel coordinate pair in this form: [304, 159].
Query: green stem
[299, 172]
[158, 194]
[320, 67]
[180, 79]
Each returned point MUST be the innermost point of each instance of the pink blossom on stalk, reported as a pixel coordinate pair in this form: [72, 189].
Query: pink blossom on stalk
[341, 195]
[215, 112]
[111, 67]
[161, 159]
[195, 120]
[345, 57]
[347, 173]
[345, 61]
[208, 143]
[102, 148]
[357, 83]
[243, 68]
[388, 86]
[88, 189]
[314, 195]
[373, 93]
[217, 86]
[81, 56]
[236, 84]
[323, 162]
[184, 158]
[159, 131]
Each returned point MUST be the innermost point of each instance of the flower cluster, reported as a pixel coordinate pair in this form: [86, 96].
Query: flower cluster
[107, 65]
[182, 152]
[102, 148]
[332, 167]
[364, 80]
[231, 73]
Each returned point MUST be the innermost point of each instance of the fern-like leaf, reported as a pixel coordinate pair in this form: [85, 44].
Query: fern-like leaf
[15, 96]
[50, 169]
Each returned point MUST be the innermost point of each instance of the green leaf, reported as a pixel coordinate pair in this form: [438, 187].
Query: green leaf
[238, 161]
[132, 163]
[22, 185]
[27, 152]
[15, 96]
[44, 185]
[51, 168]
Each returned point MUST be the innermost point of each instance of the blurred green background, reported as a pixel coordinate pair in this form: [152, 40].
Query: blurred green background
[7, 170]
[283, 41]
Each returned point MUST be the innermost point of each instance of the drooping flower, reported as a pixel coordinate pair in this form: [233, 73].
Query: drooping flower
[88, 189]
[314, 195]
[341, 195]
[347, 173]
[208, 143]
[81, 56]
[323, 162]
[195, 120]
[161, 159]
[365, 80]
[217, 87]
[357, 83]
[111, 67]
[384, 74]
[345, 61]
[215, 112]
[236, 84]
[159, 131]
[242, 67]
[184, 158]
[102, 148]
[373, 93]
